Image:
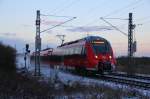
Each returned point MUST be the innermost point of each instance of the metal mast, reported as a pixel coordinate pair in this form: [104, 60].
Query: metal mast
[131, 42]
[130, 36]
[37, 45]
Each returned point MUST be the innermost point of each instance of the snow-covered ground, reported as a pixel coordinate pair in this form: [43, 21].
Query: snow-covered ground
[71, 79]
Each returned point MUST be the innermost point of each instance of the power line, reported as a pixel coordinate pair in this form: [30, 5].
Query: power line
[58, 24]
[59, 5]
[55, 15]
[143, 18]
[67, 6]
[91, 22]
[114, 26]
[117, 18]
[147, 22]
[91, 10]
[132, 8]
[118, 10]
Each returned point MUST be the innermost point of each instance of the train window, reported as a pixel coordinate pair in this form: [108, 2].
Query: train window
[66, 51]
[101, 48]
[63, 51]
[73, 50]
[76, 50]
[83, 52]
[80, 50]
[70, 51]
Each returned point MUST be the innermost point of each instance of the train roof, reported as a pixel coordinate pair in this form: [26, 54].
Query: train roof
[87, 39]
[91, 38]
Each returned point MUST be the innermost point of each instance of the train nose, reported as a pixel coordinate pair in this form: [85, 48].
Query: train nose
[106, 66]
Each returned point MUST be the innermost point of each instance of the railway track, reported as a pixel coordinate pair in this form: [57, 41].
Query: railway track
[132, 80]
[137, 76]
[140, 81]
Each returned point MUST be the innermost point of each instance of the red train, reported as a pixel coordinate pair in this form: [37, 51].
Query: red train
[91, 53]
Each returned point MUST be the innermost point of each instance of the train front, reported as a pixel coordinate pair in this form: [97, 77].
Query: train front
[103, 57]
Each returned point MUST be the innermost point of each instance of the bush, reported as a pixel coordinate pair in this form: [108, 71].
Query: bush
[7, 58]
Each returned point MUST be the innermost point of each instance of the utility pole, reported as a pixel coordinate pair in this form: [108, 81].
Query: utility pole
[130, 36]
[131, 43]
[37, 45]
[62, 38]
[130, 39]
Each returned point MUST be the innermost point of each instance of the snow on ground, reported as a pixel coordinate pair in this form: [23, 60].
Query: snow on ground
[70, 79]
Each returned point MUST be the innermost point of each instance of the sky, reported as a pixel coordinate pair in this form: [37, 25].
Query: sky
[17, 22]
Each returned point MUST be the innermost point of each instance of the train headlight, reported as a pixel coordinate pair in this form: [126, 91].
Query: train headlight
[110, 57]
[96, 56]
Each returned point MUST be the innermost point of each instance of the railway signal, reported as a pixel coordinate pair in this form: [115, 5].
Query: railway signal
[27, 48]
[26, 53]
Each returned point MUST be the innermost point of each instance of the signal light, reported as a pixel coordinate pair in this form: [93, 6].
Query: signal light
[27, 47]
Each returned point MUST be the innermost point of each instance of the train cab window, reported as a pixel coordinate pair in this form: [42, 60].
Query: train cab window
[102, 47]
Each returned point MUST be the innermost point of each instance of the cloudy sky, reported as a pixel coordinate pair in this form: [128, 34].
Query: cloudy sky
[17, 22]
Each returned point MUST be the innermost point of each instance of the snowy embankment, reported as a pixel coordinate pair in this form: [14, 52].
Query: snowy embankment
[61, 79]
[71, 80]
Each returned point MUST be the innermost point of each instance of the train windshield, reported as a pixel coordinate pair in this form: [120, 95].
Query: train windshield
[101, 47]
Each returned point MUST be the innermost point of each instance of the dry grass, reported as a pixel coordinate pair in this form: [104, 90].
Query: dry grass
[26, 87]
[139, 65]
[141, 69]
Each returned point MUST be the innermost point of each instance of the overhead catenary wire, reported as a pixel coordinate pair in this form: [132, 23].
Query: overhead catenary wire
[118, 18]
[113, 26]
[132, 8]
[118, 10]
[58, 24]
[143, 18]
[92, 10]
[59, 5]
[142, 21]
[146, 22]
[56, 15]
[67, 6]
